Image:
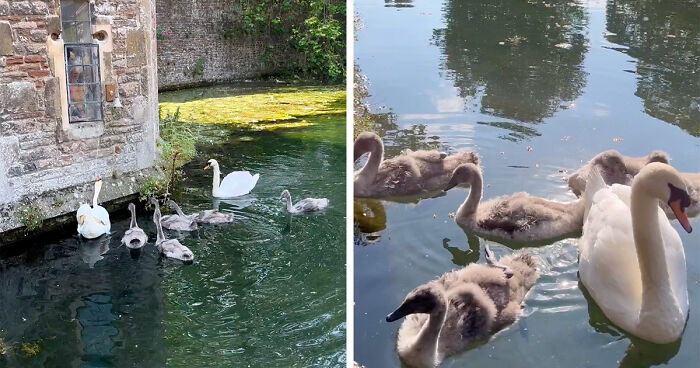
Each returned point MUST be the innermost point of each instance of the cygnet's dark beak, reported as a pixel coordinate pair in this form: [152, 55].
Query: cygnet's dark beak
[399, 313]
[453, 183]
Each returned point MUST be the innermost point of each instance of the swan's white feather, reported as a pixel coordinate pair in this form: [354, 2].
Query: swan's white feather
[236, 184]
[608, 263]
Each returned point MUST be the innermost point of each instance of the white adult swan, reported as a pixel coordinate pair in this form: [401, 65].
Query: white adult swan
[444, 316]
[235, 184]
[519, 216]
[631, 259]
[134, 237]
[93, 221]
[171, 248]
[413, 172]
[305, 205]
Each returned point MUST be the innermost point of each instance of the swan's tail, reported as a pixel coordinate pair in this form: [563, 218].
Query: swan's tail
[524, 267]
[594, 183]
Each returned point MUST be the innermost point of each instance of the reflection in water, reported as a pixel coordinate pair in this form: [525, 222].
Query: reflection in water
[95, 319]
[640, 353]
[464, 257]
[663, 36]
[517, 132]
[385, 125]
[91, 250]
[398, 3]
[370, 215]
[505, 56]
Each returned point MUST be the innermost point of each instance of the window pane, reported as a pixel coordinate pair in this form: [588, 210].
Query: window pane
[87, 56]
[69, 33]
[77, 112]
[93, 92]
[75, 10]
[73, 55]
[84, 33]
[93, 112]
[77, 93]
[75, 74]
[87, 74]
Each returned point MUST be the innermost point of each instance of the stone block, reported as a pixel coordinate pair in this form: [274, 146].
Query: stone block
[53, 24]
[6, 47]
[19, 97]
[136, 48]
[52, 96]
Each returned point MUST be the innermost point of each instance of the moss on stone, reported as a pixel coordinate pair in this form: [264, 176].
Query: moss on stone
[4, 347]
[283, 107]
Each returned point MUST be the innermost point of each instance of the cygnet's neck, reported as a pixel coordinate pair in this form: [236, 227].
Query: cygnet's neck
[425, 345]
[470, 205]
[376, 156]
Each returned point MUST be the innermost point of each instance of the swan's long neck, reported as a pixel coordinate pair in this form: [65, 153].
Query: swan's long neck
[289, 203]
[159, 228]
[217, 179]
[376, 156]
[98, 186]
[178, 210]
[426, 342]
[657, 294]
[468, 208]
[133, 217]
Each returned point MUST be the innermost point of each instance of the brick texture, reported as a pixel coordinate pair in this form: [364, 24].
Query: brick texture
[194, 29]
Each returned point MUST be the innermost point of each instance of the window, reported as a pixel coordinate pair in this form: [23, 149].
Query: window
[82, 62]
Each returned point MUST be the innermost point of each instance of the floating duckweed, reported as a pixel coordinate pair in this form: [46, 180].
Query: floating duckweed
[30, 349]
[4, 347]
[274, 109]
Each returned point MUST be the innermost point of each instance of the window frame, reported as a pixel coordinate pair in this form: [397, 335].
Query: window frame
[98, 82]
[94, 63]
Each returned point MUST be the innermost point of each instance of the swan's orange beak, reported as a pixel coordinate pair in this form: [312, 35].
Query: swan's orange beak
[97, 179]
[681, 215]
[207, 167]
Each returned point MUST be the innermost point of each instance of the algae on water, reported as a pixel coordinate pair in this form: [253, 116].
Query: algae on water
[268, 109]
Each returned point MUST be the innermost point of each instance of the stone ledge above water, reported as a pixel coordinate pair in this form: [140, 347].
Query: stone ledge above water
[58, 207]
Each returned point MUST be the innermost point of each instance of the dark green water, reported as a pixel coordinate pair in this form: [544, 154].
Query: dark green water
[263, 292]
[438, 77]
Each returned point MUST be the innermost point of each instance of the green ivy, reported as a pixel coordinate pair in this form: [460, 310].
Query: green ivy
[315, 28]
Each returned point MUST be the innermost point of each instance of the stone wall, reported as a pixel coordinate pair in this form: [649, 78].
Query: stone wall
[193, 48]
[46, 161]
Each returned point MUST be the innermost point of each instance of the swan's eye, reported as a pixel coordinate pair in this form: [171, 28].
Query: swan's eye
[679, 194]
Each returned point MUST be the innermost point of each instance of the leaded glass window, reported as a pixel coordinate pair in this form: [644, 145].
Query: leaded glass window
[82, 63]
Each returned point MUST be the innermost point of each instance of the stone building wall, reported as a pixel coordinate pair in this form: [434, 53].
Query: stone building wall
[192, 32]
[46, 161]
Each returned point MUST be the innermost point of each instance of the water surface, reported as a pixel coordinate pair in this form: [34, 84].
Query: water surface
[537, 89]
[266, 291]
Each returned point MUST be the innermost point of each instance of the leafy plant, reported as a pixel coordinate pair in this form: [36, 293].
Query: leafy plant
[315, 28]
[177, 145]
[198, 69]
[30, 216]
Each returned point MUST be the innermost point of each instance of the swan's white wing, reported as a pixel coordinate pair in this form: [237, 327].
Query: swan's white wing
[83, 210]
[102, 214]
[675, 260]
[608, 264]
[237, 183]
